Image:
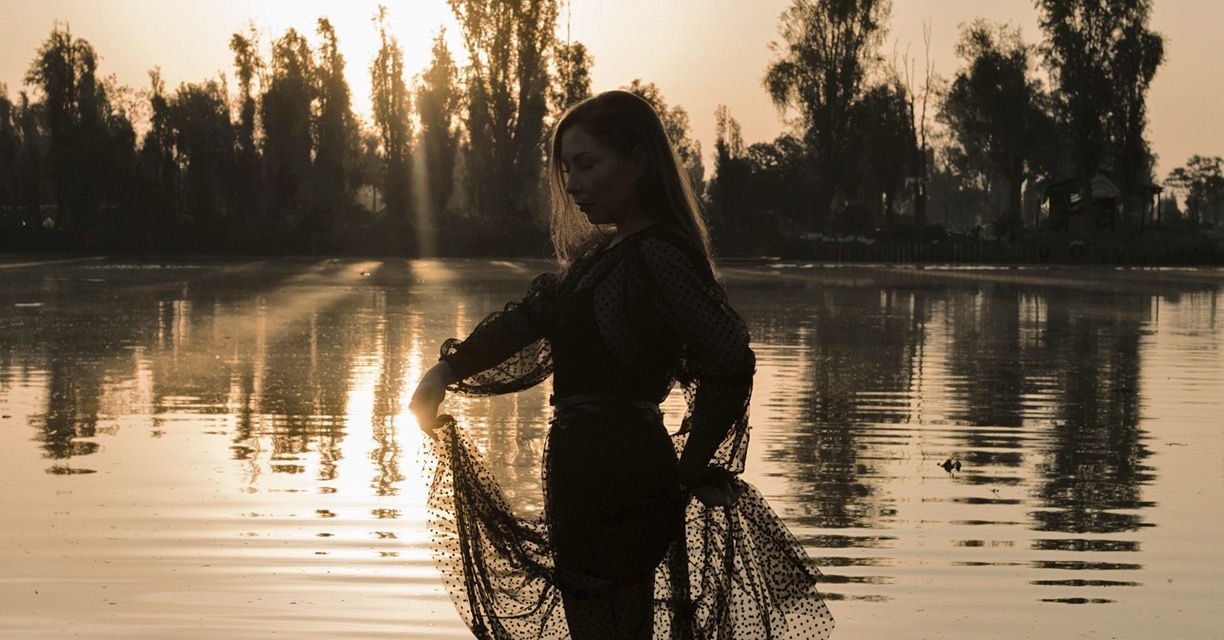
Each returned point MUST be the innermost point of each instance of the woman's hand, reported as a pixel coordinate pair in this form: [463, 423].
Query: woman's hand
[719, 493]
[430, 392]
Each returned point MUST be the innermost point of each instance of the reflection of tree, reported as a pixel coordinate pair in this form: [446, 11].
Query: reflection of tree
[865, 340]
[987, 357]
[395, 348]
[72, 405]
[1094, 466]
[306, 387]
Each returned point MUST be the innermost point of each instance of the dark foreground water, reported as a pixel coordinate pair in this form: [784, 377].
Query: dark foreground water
[223, 449]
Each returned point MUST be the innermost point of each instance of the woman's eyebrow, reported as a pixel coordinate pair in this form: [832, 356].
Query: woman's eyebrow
[580, 154]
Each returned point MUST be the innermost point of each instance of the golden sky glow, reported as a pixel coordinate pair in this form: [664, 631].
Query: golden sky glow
[699, 52]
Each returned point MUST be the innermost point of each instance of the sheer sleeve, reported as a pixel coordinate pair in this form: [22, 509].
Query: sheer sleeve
[717, 362]
[508, 350]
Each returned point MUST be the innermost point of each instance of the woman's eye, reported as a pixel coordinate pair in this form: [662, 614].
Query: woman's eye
[565, 169]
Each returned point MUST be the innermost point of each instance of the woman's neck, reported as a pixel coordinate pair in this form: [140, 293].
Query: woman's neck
[630, 227]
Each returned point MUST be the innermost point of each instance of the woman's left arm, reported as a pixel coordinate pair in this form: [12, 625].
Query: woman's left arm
[716, 342]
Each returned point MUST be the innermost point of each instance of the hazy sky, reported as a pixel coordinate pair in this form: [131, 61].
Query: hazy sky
[699, 52]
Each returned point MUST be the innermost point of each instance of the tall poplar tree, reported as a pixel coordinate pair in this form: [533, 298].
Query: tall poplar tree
[391, 117]
[438, 100]
[508, 42]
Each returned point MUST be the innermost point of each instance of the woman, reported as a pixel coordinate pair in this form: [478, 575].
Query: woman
[622, 544]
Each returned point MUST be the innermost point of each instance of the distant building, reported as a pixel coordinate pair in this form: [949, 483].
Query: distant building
[1102, 207]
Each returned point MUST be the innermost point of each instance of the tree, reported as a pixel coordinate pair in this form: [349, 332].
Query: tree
[10, 151]
[828, 46]
[920, 181]
[889, 147]
[438, 101]
[995, 111]
[285, 113]
[158, 167]
[1201, 185]
[75, 110]
[391, 117]
[573, 75]
[676, 124]
[782, 180]
[507, 82]
[335, 133]
[1104, 58]
[730, 199]
[247, 183]
[31, 174]
[198, 120]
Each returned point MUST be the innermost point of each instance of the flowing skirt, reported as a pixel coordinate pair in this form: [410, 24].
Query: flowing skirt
[613, 514]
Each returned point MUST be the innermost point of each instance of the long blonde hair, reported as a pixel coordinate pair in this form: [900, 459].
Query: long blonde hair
[622, 121]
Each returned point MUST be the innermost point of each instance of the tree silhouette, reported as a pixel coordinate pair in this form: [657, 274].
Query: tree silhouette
[1201, 183]
[335, 134]
[889, 144]
[75, 110]
[827, 48]
[198, 119]
[438, 101]
[248, 187]
[507, 81]
[285, 112]
[1104, 58]
[573, 75]
[159, 215]
[391, 117]
[10, 147]
[994, 111]
[731, 208]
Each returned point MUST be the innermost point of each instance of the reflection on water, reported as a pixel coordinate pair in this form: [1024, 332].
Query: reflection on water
[225, 447]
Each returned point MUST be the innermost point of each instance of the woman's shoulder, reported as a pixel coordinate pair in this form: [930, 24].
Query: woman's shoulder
[665, 243]
[665, 236]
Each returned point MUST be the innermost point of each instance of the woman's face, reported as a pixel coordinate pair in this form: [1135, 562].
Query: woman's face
[601, 181]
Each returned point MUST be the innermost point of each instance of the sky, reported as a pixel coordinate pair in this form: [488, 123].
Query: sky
[700, 53]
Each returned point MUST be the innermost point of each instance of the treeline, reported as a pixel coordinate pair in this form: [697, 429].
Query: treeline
[450, 161]
[865, 155]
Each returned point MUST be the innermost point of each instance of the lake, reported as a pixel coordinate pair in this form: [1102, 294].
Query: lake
[223, 448]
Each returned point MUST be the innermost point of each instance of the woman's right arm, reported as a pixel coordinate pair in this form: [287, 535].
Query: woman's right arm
[504, 333]
[495, 341]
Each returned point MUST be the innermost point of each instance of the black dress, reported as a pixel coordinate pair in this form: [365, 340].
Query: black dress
[617, 330]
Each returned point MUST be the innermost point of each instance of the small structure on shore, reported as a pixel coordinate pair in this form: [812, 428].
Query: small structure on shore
[1101, 207]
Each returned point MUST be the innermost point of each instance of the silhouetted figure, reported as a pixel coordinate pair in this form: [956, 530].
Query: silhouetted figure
[621, 544]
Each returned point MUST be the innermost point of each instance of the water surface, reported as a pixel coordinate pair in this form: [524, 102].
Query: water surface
[223, 448]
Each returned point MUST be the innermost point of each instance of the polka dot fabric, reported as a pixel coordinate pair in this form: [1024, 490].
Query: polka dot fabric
[732, 572]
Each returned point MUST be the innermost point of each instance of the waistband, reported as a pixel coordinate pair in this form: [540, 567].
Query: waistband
[592, 401]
